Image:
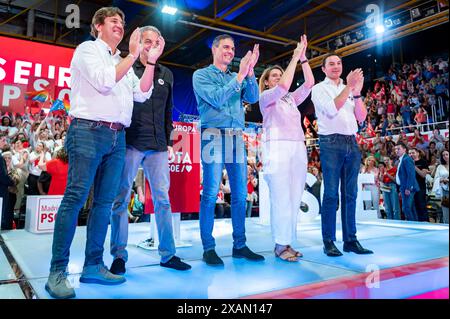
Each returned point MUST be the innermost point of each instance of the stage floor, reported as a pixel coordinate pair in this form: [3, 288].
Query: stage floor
[412, 259]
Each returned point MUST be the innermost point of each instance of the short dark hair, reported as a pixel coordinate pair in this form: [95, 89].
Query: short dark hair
[403, 145]
[324, 60]
[101, 14]
[221, 37]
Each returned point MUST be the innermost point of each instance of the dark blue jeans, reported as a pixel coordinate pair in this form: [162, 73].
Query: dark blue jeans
[96, 155]
[409, 210]
[340, 159]
[219, 150]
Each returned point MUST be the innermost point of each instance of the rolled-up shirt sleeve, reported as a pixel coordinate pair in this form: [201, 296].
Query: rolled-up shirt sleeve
[251, 90]
[138, 94]
[323, 101]
[91, 67]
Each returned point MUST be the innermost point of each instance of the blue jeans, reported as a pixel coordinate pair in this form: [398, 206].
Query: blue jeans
[96, 155]
[340, 158]
[156, 170]
[219, 150]
[420, 203]
[391, 202]
[408, 207]
[249, 208]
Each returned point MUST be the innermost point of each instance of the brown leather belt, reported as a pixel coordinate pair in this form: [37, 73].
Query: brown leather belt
[115, 126]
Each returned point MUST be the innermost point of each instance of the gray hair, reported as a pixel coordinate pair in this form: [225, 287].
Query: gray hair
[220, 38]
[149, 28]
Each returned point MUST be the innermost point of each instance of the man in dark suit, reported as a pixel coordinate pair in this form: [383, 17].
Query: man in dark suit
[406, 178]
[5, 182]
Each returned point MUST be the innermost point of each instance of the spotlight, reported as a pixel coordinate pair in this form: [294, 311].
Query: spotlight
[169, 10]
[379, 29]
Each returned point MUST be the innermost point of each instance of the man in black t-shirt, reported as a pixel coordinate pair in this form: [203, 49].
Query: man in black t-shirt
[148, 144]
[420, 197]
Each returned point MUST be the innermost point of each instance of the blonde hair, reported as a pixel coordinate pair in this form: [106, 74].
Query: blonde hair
[368, 159]
[265, 76]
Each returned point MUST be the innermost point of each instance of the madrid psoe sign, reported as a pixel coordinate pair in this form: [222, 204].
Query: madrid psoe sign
[41, 213]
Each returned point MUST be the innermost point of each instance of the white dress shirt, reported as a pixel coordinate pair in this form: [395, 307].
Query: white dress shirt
[95, 95]
[330, 120]
[398, 169]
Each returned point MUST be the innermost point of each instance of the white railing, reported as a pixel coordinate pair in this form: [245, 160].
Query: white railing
[314, 142]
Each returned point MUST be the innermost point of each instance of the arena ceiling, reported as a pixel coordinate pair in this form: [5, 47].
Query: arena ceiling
[275, 24]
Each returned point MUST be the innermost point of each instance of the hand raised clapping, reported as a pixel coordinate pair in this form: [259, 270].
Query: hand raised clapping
[355, 80]
[300, 50]
[134, 46]
[155, 52]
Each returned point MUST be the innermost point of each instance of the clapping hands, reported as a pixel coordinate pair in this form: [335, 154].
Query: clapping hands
[355, 80]
[248, 62]
[155, 52]
[300, 50]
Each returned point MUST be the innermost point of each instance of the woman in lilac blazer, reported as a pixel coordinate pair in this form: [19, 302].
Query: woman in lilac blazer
[284, 150]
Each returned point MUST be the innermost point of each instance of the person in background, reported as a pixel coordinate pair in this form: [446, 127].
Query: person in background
[58, 169]
[389, 189]
[440, 185]
[420, 197]
[406, 179]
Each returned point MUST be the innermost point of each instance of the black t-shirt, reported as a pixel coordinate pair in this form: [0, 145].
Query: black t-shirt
[421, 164]
[151, 122]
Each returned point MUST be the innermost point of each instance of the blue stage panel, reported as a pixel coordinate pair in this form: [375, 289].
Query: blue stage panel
[6, 272]
[11, 291]
[236, 279]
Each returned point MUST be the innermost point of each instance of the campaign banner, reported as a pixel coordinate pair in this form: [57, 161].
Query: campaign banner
[184, 167]
[41, 213]
[27, 66]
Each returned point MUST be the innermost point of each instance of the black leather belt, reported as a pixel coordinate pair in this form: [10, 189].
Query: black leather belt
[115, 126]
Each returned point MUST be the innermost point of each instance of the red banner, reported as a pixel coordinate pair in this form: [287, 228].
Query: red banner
[30, 66]
[184, 168]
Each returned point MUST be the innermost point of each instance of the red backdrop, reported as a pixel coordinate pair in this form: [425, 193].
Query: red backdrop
[29, 66]
[184, 168]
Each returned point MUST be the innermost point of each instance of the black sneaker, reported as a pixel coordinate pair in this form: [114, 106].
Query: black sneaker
[211, 258]
[118, 267]
[176, 263]
[246, 253]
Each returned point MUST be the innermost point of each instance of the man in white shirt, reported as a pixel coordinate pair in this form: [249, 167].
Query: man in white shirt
[104, 86]
[338, 108]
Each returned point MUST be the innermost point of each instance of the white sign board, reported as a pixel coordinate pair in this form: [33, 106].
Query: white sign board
[41, 213]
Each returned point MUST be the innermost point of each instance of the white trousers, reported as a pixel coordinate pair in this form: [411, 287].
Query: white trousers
[285, 165]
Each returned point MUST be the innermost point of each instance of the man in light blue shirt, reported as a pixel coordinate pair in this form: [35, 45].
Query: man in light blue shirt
[220, 94]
